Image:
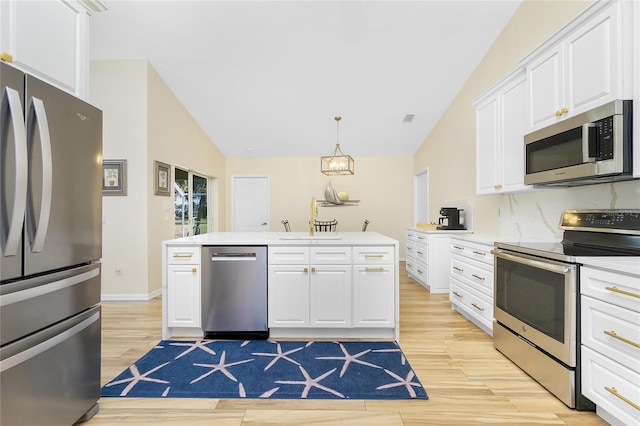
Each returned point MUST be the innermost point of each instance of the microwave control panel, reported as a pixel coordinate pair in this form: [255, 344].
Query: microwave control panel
[605, 138]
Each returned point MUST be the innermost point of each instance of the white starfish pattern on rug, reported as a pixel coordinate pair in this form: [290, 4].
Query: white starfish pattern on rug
[221, 366]
[200, 344]
[279, 355]
[136, 378]
[311, 383]
[403, 359]
[348, 359]
[406, 382]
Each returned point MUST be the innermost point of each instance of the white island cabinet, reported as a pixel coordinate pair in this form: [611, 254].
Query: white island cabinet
[345, 286]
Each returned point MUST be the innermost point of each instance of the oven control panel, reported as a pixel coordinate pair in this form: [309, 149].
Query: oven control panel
[616, 221]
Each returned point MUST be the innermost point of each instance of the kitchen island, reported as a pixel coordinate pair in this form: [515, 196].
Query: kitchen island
[330, 285]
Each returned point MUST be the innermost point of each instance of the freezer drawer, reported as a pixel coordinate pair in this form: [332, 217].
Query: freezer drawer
[64, 362]
[30, 305]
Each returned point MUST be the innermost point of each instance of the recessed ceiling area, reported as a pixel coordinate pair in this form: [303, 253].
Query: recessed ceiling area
[267, 78]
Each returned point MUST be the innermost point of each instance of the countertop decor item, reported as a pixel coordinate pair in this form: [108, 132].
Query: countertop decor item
[270, 369]
[337, 163]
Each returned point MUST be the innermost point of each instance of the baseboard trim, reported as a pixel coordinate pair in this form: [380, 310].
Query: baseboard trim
[130, 297]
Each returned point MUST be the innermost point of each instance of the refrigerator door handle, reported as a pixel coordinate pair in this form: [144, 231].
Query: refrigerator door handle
[14, 234]
[42, 224]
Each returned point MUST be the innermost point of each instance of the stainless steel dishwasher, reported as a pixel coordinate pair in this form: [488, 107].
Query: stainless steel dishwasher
[234, 292]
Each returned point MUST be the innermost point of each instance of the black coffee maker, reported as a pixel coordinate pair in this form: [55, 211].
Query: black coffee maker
[451, 218]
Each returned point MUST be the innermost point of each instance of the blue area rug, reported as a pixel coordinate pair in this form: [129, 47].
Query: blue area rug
[269, 369]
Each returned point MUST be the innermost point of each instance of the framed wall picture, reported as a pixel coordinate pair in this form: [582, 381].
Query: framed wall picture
[114, 177]
[161, 178]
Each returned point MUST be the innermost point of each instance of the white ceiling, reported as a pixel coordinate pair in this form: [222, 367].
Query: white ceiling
[266, 78]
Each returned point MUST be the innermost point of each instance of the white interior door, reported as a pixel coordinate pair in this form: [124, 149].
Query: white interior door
[250, 203]
[421, 197]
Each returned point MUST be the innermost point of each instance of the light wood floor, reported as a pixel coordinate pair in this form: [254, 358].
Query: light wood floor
[467, 380]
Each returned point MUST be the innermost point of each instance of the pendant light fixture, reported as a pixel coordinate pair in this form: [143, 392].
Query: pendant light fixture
[337, 163]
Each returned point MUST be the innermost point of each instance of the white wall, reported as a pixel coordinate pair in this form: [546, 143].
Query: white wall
[383, 186]
[143, 122]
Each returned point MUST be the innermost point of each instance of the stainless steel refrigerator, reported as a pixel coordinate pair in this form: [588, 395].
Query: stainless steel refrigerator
[50, 247]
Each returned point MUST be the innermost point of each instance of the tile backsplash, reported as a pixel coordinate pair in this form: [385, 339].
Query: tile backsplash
[535, 215]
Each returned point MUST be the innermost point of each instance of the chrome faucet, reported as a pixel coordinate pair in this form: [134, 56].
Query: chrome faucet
[313, 212]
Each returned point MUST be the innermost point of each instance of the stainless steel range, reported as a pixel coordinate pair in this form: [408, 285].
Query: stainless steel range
[537, 300]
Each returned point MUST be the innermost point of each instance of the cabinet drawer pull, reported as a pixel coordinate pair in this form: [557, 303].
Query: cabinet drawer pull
[410, 265]
[183, 256]
[194, 269]
[626, 293]
[458, 248]
[615, 393]
[479, 253]
[477, 277]
[367, 256]
[421, 238]
[420, 252]
[380, 269]
[313, 269]
[497, 186]
[477, 307]
[420, 271]
[457, 294]
[457, 268]
[305, 270]
[622, 339]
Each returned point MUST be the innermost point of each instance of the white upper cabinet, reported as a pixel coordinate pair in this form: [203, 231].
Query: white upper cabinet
[500, 115]
[583, 66]
[49, 39]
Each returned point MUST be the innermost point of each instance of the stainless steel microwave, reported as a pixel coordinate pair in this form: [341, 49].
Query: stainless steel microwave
[592, 147]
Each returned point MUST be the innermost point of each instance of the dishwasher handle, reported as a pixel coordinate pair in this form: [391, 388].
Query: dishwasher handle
[232, 257]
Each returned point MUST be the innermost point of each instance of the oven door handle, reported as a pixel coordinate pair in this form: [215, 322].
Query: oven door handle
[537, 262]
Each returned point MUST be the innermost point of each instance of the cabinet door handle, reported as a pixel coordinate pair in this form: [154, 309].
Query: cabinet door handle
[497, 186]
[313, 269]
[374, 269]
[458, 269]
[477, 277]
[479, 253]
[305, 270]
[367, 256]
[477, 307]
[183, 256]
[457, 294]
[622, 339]
[615, 393]
[626, 293]
[194, 270]
[458, 248]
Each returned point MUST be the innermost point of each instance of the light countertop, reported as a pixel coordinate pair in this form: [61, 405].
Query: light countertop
[628, 264]
[284, 238]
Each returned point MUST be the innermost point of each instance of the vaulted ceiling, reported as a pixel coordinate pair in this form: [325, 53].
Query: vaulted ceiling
[266, 78]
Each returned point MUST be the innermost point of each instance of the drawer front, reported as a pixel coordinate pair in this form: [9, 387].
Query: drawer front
[611, 386]
[612, 331]
[473, 250]
[411, 249]
[411, 266]
[480, 305]
[473, 274]
[422, 273]
[183, 255]
[330, 255]
[421, 237]
[410, 235]
[373, 255]
[288, 255]
[422, 253]
[618, 289]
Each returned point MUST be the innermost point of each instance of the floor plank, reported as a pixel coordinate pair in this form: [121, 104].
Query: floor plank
[467, 380]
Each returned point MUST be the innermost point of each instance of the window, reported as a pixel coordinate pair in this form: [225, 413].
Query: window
[191, 201]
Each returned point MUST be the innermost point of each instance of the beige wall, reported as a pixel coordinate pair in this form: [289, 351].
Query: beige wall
[449, 150]
[143, 122]
[384, 186]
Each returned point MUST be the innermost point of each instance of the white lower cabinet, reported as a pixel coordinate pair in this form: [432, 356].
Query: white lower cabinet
[471, 276]
[183, 287]
[326, 289]
[610, 344]
[428, 259]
